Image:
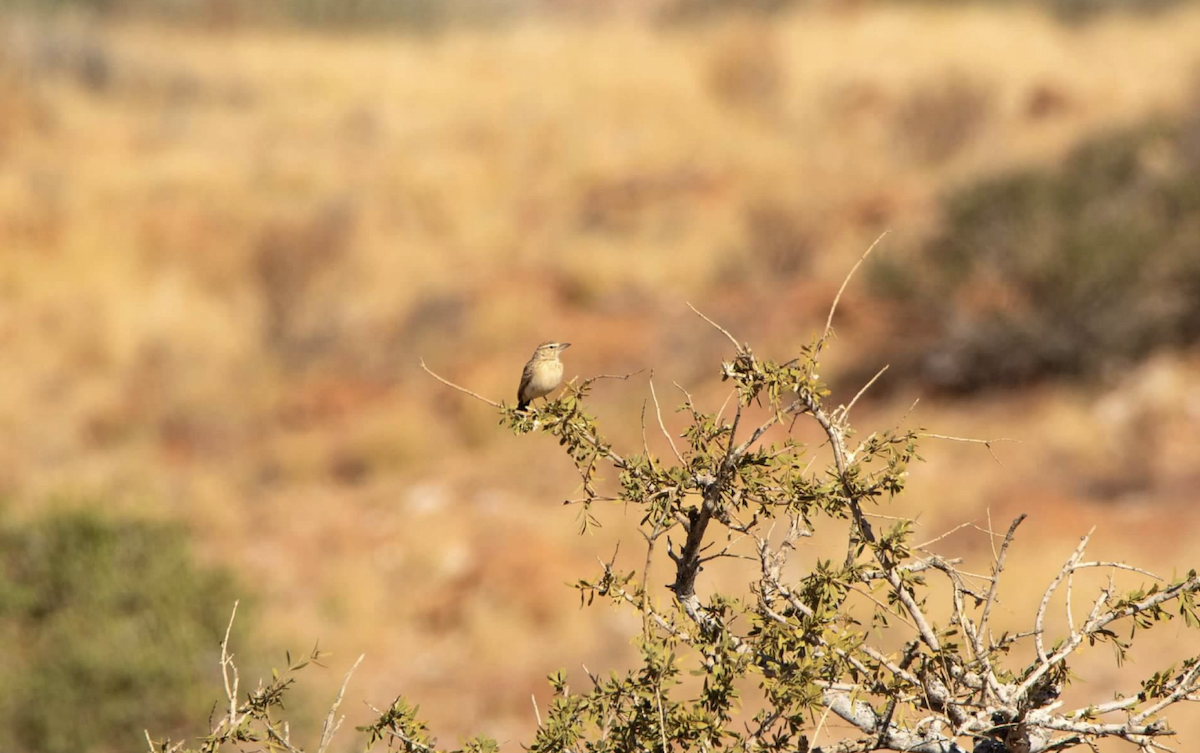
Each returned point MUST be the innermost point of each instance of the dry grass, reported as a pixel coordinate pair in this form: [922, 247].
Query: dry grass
[221, 253]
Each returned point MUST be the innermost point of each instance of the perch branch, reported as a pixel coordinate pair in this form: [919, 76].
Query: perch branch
[463, 390]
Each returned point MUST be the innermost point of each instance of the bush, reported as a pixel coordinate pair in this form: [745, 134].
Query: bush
[1062, 272]
[1078, 11]
[109, 627]
[893, 640]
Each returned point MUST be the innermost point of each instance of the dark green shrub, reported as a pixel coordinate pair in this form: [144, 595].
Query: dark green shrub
[1080, 11]
[108, 627]
[1063, 272]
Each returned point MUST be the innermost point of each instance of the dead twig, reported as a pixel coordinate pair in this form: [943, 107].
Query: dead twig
[846, 411]
[330, 728]
[991, 595]
[740, 348]
[661, 425]
[461, 389]
[985, 442]
[845, 282]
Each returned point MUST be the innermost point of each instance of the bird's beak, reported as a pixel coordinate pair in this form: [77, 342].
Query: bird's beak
[564, 346]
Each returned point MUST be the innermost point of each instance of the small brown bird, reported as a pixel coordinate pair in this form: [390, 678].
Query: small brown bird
[542, 374]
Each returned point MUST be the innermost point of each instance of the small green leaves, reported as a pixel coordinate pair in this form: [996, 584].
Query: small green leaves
[401, 727]
[779, 382]
[480, 744]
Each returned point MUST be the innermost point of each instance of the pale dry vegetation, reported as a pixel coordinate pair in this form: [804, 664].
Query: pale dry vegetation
[221, 253]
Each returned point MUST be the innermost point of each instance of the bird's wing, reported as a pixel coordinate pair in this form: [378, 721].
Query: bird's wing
[526, 377]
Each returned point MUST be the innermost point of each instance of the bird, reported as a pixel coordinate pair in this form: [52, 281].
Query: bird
[542, 374]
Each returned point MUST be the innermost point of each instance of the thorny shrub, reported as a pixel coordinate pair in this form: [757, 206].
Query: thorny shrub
[795, 647]
[106, 622]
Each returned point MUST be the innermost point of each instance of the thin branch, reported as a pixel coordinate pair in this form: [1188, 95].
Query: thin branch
[1183, 686]
[622, 377]
[985, 442]
[667, 625]
[687, 396]
[662, 719]
[1040, 617]
[910, 653]
[837, 444]
[860, 590]
[795, 407]
[845, 282]
[891, 666]
[1118, 566]
[881, 516]
[651, 540]
[721, 412]
[281, 740]
[1095, 622]
[720, 329]
[661, 425]
[936, 539]
[463, 390]
[737, 419]
[1172, 592]
[231, 689]
[908, 412]
[933, 562]
[645, 444]
[329, 728]
[812, 741]
[970, 440]
[991, 595]
[846, 411]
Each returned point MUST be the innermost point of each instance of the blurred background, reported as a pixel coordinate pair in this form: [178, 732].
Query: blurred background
[230, 228]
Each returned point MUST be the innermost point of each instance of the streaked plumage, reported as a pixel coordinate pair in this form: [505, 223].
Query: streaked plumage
[542, 374]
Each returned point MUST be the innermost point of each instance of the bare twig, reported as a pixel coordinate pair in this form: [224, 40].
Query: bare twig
[662, 719]
[812, 741]
[860, 590]
[228, 667]
[762, 429]
[936, 539]
[1117, 566]
[687, 396]
[330, 728]
[661, 425]
[721, 411]
[991, 595]
[845, 282]
[651, 540]
[740, 348]
[598, 377]
[463, 390]
[1040, 617]
[985, 442]
[846, 411]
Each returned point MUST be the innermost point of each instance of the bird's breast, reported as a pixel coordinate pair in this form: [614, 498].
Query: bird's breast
[546, 377]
